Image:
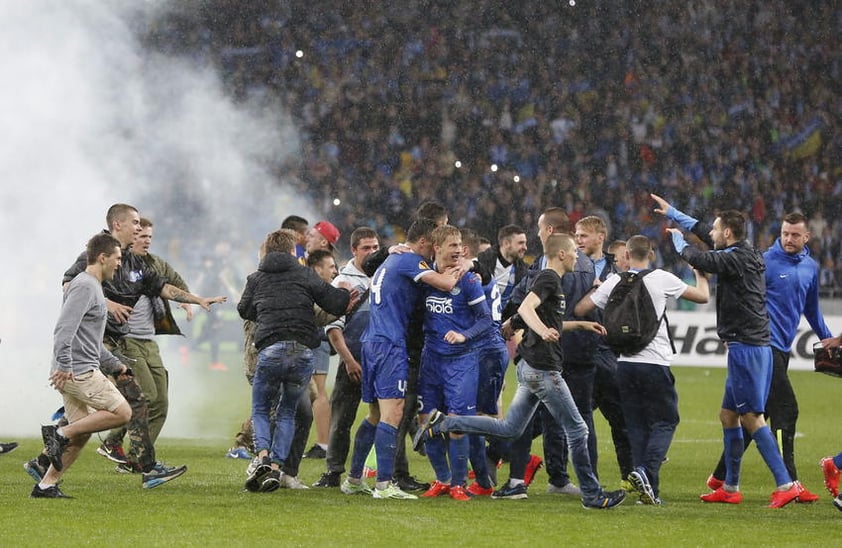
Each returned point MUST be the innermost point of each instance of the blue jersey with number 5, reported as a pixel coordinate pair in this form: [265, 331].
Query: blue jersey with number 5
[393, 296]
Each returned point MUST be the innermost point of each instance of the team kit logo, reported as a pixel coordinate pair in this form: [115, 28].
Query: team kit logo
[439, 305]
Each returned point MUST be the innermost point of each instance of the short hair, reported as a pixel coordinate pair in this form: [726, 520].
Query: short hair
[362, 233]
[557, 218]
[117, 212]
[296, 223]
[431, 210]
[422, 228]
[280, 241]
[593, 223]
[508, 231]
[470, 239]
[615, 245]
[442, 233]
[734, 220]
[318, 256]
[146, 222]
[558, 242]
[101, 243]
[482, 240]
[795, 218]
[639, 247]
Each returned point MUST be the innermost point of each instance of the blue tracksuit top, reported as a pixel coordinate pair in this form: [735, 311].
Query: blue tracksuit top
[792, 288]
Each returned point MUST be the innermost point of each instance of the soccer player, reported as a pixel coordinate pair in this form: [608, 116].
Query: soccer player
[394, 293]
[539, 376]
[742, 322]
[454, 322]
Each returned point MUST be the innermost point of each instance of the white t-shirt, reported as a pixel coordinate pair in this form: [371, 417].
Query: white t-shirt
[661, 285]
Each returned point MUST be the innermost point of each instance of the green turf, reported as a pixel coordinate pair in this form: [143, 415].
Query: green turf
[207, 506]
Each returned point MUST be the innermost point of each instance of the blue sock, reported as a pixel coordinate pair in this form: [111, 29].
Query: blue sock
[363, 440]
[837, 460]
[459, 449]
[734, 448]
[436, 449]
[478, 460]
[765, 442]
[386, 445]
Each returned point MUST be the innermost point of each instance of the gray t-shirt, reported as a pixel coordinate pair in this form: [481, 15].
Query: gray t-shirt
[77, 338]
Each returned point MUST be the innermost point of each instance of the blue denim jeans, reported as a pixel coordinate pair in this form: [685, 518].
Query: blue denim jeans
[536, 386]
[283, 372]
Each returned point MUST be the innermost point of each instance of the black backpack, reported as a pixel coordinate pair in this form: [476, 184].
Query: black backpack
[630, 317]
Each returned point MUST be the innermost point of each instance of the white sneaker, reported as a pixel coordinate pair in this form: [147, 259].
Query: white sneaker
[568, 489]
[291, 482]
[393, 492]
[350, 488]
[255, 462]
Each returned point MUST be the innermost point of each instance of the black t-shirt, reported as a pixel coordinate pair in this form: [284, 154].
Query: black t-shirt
[538, 353]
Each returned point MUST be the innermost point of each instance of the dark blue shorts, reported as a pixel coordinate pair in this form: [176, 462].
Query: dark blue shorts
[448, 383]
[385, 370]
[749, 378]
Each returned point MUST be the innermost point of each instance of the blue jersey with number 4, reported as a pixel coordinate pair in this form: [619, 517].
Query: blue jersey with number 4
[394, 293]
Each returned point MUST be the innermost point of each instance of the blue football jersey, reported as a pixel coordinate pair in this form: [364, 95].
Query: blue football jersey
[452, 311]
[495, 304]
[394, 292]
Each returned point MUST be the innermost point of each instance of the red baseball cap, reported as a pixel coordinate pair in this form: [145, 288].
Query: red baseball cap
[328, 231]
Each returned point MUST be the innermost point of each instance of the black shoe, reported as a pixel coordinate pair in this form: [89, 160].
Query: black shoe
[161, 474]
[429, 429]
[255, 479]
[409, 483]
[54, 445]
[329, 479]
[8, 447]
[511, 492]
[315, 452]
[271, 482]
[51, 492]
[605, 500]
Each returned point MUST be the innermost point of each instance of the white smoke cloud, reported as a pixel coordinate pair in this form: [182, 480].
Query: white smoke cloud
[89, 119]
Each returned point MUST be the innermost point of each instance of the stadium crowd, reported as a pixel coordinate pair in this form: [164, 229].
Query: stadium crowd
[499, 109]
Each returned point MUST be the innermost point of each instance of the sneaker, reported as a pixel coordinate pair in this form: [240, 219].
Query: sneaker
[804, 496]
[114, 453]
[292, 482]
[350, 488]
[569, 488]
[437, 489]
[535, 463]
[51, 492]
[428, 429]
[641, 502]
[458, 492]
[640, 481]
[35, 469]
[779, 498]
[316, 452]
[605, 500]
[831, 475]
[54, 445]
[161, 474]
[721, 495]
[271, 482]
[393, 492]
[409, 483]
[509, 492]
[329, 479]
[477, 490]
[255, 462]
[127, 468]
[714, 483]
[258, 475]
[837, 502]
[237, 452]
[8, 447]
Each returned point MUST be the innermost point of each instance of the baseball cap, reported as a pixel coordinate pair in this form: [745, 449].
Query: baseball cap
[328, 231]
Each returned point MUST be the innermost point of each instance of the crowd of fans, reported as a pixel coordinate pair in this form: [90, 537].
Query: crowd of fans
[501, 109]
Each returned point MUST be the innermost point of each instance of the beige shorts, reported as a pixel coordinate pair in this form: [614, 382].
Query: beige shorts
[90, 392]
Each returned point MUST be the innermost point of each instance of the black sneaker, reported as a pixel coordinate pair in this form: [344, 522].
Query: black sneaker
[256, 478]
[114, 453]
[329, 479]
[429, 428]
[315, 452]
[54, 445]
[127, 468]
[510, 492]
[161, 474]
[51, 492]
[604, 500]
[409, 483]
[640, 481]
[271, 482]
[35, 469]
[8, 447]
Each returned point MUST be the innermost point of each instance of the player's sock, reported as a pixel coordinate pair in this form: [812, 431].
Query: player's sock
[363, 440]
[734, 448]
[459, 449]
[386, 444]
[478, 461]
[437, 453]
[765, 442]
[837, 460]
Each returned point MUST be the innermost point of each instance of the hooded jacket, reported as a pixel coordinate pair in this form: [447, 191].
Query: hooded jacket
[280, 298]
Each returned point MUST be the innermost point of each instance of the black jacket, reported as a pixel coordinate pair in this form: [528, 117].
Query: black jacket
[488, 260]
[279, 297]
[741, 314]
